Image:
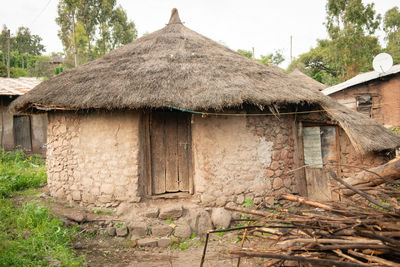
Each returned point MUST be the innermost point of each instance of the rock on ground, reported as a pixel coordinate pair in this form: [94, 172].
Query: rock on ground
[122, 231]
[220, 217]
[183, 231]
[161, 230]
[147, 242]
[173, 212]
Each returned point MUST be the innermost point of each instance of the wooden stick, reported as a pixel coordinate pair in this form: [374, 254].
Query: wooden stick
[373, 258]
[302, 200]
[340, 253]
[364, 195]
[263, 254]
[354, 246]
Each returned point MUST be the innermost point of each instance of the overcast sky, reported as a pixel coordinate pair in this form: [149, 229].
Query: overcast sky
[262, 24]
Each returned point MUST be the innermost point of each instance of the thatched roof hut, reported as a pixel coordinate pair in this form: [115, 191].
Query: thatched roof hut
[178, 67]
[114, 131]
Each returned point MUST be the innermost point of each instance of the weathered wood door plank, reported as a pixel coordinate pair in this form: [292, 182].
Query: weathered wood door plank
[157, 144]
[22, 132]
[184, 149]
[171, 167]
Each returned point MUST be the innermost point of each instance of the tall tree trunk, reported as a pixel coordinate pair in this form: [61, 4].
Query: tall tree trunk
[8, 54]
[73, 35]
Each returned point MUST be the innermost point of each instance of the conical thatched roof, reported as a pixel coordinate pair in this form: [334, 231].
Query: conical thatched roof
[307, 80]
[178, 67]
[173, 66]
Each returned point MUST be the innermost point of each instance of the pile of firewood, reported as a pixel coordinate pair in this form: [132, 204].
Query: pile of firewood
[360, 230]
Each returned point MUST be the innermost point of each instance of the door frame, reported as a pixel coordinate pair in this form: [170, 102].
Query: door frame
[305, 124]
[147, 120]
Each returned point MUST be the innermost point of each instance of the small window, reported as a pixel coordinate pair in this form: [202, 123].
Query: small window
[364, 104]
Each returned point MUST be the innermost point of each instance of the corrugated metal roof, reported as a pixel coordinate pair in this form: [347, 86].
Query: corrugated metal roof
[360, 78]
[18, 86]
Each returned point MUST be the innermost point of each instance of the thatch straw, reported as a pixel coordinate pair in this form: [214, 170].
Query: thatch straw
[306, 80]
[176, 66]
[173, 66]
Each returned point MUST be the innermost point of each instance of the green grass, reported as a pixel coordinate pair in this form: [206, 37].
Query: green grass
[32, 236]
[18, 172]
[29, 234]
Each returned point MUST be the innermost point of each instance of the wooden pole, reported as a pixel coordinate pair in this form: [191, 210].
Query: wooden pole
[291, 55]
[8, 54]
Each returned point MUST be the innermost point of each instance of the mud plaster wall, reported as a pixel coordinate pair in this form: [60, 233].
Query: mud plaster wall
[93, 158]
[385, 99]
[38, 128]
[238, 158]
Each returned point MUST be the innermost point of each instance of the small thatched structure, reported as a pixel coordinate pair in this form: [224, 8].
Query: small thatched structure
[307, 80]
[175, 114]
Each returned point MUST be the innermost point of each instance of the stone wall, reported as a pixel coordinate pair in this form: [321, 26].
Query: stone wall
[93, 158]
[238, 158]
[350, 156]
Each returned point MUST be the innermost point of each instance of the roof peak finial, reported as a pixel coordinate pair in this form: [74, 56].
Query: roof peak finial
[174, 17]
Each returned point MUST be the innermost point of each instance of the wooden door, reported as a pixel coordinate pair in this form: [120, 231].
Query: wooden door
[170, 152]
[320, 147]
[22, 132]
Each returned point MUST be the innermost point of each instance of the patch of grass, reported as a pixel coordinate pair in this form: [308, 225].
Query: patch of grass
[183, 246]
[169, 220]
[103, 212]
[31, 236]
[18, 172]
[248, 203]
[221, 233]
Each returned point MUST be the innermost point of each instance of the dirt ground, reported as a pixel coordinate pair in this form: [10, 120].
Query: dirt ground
[103, 250]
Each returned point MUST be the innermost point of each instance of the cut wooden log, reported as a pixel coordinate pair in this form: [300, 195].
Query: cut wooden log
[314, 261]
[373, 258]
[374, 176]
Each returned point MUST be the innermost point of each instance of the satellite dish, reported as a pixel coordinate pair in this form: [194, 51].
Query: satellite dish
[382, 62]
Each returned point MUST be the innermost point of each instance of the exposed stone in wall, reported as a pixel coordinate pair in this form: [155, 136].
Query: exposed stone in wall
[239, 158]
[349, 156]
[93, 158]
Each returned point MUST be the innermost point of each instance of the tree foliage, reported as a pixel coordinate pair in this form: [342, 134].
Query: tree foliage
[350, 47]
[391, 26]
[25, 48]
[272, 58]
[92, 28]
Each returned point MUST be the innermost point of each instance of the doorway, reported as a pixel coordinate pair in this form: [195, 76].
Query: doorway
[170, 152]
[22, 132]
[321, 152]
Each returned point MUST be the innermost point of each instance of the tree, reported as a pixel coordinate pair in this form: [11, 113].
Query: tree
[350, 25]
[99, 27]
[123, 31]
[391, 25]
[26, 43]
[350, 47]
[246, 53]
[272, 58]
